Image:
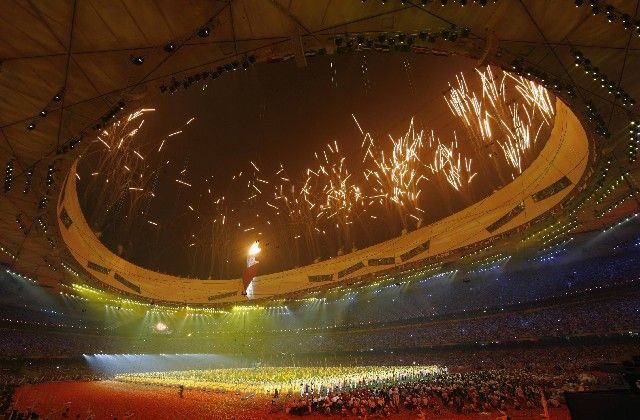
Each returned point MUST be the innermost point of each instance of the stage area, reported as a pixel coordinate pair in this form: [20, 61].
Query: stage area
[249, 393]
[111, 400]
[294, 381]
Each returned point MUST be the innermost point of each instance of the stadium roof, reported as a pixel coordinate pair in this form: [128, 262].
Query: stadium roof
[67, 67]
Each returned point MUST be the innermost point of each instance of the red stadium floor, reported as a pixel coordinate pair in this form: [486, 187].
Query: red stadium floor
[111, 400]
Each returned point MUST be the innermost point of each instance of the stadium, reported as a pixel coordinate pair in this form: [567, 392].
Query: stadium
[248, 209]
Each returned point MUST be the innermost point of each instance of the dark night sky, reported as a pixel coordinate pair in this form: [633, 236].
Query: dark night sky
[279, 112]
[271, 114]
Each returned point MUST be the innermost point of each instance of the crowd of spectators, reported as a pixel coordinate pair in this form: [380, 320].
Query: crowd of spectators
[432, 311]
[591, 262]
[605, 316]
[464, 393]
[523, 282]
[499, 336]
[16, 373]
[613, 315]
[26, 315]
[291, 379]
[487, 380]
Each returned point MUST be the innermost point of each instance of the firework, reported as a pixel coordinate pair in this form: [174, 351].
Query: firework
[396, 174]
[491, 118]
[333, 203]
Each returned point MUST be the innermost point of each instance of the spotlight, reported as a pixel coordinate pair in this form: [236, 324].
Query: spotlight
[138, 60]
[611, 16]
[31, 126]
[58, 97]
[203, 32]
[170, 47]
[43, 113]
